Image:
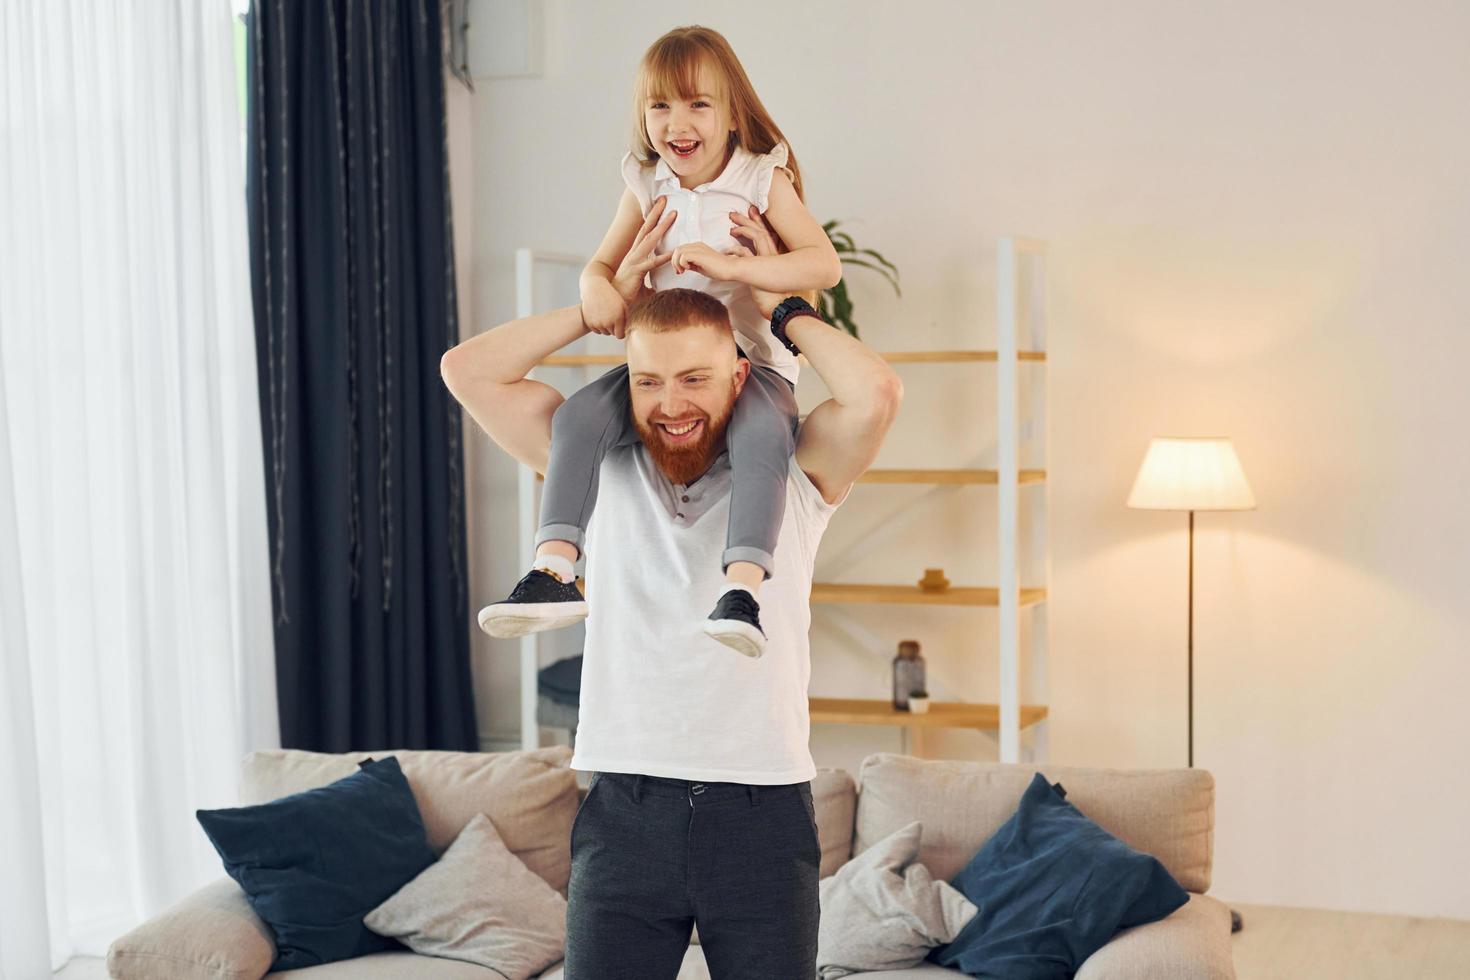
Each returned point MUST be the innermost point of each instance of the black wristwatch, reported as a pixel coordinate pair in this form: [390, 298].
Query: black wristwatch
[786, 309]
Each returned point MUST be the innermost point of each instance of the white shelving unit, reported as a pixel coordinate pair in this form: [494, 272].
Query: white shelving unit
[1020, 345]
[532, 287]
[1020, 316]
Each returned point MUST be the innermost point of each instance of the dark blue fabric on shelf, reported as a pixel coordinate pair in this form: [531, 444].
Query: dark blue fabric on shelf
[1052, 887]
[562, 681]
[313, 864]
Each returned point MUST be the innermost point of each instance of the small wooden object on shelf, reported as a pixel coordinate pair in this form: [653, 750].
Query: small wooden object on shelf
[933, 580]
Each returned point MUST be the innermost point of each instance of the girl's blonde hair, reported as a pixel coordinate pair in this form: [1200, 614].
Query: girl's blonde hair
[670, 67]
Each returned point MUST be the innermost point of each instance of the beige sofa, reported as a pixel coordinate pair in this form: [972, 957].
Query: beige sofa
[532, 798]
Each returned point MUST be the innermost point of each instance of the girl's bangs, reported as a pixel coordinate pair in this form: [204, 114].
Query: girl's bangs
[673, 71]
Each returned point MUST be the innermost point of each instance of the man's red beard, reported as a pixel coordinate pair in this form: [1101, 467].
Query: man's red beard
[685, 462]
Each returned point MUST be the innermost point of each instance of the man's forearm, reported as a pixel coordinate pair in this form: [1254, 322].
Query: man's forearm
[507, 353]
[487, 375]
[854, 373]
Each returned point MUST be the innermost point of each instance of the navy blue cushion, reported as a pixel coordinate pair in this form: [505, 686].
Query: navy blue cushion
[1052, 888]
[314, 863]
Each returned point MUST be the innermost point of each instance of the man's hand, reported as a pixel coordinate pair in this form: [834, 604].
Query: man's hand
[603, 309]
[753, 228]
[605, 299]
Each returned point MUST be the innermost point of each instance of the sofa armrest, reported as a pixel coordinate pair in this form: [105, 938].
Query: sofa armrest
[212, 934]
[1191, 943]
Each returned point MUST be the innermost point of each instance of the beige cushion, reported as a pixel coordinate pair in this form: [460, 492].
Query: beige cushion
[392, 966]
[834, 792]
[885, 911]
[530, 796]
[1191, 943]
[693, 968]
[1169, 813]
[478, 903]
[212, 934]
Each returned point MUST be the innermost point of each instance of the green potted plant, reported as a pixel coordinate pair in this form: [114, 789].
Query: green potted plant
[836, 304]
[918, 701]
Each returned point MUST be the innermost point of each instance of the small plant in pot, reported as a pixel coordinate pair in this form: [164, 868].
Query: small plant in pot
[918, 701]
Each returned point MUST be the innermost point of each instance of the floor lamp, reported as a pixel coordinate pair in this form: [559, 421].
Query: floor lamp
[1192, 473]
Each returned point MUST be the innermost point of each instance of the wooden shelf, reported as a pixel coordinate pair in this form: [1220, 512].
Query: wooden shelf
[941, 714]
[947, 476]
[580, 360]
[955, 595]
[954, 356]
[893, 357]
[938, 477]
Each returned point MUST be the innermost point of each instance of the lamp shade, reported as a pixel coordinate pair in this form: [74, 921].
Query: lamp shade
[1191, 473]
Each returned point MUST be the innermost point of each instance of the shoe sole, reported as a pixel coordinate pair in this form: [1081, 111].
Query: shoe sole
[738, 636]
[506, 620]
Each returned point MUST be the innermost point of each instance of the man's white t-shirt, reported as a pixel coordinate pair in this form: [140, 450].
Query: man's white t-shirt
[658, 695]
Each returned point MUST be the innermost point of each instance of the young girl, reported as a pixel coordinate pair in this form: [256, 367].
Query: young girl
[706, 151]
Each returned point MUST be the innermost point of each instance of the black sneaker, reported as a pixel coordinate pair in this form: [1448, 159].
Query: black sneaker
[540, 601]
[736, 622]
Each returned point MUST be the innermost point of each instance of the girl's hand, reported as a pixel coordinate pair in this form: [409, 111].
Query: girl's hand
[705, 260]
[753, 228]
[603, 310]
[628, 279]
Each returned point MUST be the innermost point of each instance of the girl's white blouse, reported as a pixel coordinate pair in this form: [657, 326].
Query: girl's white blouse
[704, 217]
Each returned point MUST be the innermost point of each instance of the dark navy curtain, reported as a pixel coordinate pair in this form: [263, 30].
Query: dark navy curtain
[353, 276]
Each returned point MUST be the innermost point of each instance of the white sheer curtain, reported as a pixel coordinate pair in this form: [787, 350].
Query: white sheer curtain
[134, 583]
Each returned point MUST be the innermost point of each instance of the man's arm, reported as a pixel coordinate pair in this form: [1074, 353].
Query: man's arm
[487, 375]
[841, 436]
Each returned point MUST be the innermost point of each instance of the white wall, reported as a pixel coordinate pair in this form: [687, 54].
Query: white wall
[1257, 215]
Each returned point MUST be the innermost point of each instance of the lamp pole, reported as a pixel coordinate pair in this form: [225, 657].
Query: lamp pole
[1189, 473]
[1191, 639]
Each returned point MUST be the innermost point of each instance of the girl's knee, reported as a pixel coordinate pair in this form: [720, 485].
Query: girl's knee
[582, 407]
[570, 414]
[761, 440]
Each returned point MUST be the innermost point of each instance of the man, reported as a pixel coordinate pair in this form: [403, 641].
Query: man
[699, 811]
